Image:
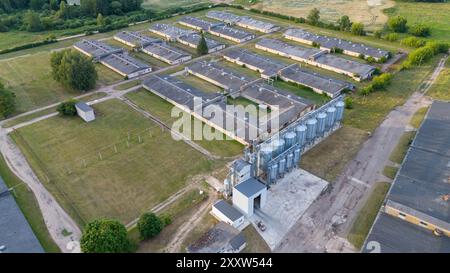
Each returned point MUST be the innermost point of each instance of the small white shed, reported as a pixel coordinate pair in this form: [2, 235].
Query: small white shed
[226, 213]
[249, 195]
[85, 112]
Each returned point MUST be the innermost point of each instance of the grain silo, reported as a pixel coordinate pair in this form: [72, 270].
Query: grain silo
[331, 116]
[278, 146]
[321, 120]
[265, 155]
[297, 155]
[290, 139]
[340, 110]
[282, 167]
[290, 161]
[301, 134]
[311, 124]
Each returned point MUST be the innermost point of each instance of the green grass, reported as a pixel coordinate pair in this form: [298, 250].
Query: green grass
[161, 5]
[162, 109]
[369, 111]
[434, 15]
[44, 112]
[120, 184]
[303, 92]
[367, 214]
[329, 158]
[390, 172]
[29, 207]
[255, 243]
[179, 211]
[128, 85]
[402, 147]
[440, 90]
[30, 78]
[418, 117]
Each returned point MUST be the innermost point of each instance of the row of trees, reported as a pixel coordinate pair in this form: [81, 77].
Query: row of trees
[110, 236]
[399, 24]
[7, 102]
[342, 24]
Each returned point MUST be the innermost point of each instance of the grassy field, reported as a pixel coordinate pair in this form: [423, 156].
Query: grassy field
[180, 211]
[29, 77]
[165, 4]
[402, 147]
[367, 214]
[128, 85]
[91, 180]
[328, 159]
[369, 111]
[29, 207]
[440, 90]
[162, 109]
[206, 223]
[368, 12]
[434, 15]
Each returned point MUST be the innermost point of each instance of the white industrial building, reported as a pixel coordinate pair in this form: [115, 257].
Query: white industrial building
[249, 195]
[226, 213]
[85, 112]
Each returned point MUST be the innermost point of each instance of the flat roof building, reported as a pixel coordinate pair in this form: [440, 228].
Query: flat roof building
[417, 208]
[249, 195]
[261, 26]
[85, 111]
[330, 43]
[223, 16]
[267, 67]
[319, 58]
[318, 83]
[16, 235]
[227, 213]
[192, 40]
[197, 23]
[232, 34]
[170, 32]
[167, 53]
[222, 238]
[126, 65]
[134, 39]
[96, 49]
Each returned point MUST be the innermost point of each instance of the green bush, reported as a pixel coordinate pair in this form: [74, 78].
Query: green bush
[392, 37]
[397, 24]
[149, 225]
[413, 42]
[7, 102]
[348, 102]
[358, 29]
[67, 108]
[419, 30]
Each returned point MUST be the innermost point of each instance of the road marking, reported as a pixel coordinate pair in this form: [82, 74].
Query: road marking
[359, 182]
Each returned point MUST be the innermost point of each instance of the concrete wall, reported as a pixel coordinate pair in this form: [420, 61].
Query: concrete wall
[414, 220]
[86, 116]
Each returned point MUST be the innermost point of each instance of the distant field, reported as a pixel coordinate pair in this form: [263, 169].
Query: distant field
[120, 184]
[368, 12]
[434, 15]
[165, 4]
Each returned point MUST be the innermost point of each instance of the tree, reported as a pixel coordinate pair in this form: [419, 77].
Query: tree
[7, 102]
[67, 108]
[88, 8]
[37, 4]
[397, 24]
[358, 29]
[149, 225]
[314, 16]
[105, 236]
[344, 23]
[54, 4]
[100, 20]
[202, 48]
[73, 70]
[63, 13]
[32, 21]
[348, 102]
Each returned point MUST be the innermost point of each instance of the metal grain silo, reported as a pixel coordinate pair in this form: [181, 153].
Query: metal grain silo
[290, 139]
[331, 116]
[301, 134]
[311, 124]
[278, 146]
[321, 120]
[265, 154]
[282, 167]
[297, 155]
[289, 161]
[340, 110]
[273, 172]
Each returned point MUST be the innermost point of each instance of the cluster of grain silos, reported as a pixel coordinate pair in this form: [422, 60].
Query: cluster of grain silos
[282, 153]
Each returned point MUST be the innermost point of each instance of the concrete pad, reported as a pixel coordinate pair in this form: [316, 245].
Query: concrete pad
[286, 202]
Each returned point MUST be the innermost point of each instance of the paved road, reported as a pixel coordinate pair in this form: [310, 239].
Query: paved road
[325, 224]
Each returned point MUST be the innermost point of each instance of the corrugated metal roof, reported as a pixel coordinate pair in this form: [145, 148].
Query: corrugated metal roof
[229, 211]
[83, 107]
[250, 187]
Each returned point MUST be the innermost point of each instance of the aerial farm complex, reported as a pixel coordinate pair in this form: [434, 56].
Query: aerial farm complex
[275, 91]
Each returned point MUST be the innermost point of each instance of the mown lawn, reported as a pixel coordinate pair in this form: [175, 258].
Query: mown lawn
[402, 147]
[117, 166]
[418, 117]
[162, 109]
[29, 207]
[367, 214]
[390, 172]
